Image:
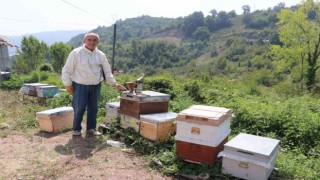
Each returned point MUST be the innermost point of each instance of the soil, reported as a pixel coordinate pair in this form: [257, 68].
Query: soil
[34, 154]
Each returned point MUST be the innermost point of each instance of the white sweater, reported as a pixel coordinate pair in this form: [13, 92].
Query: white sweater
[84, 67]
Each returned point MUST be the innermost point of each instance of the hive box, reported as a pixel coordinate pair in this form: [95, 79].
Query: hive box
[204, 125]
[249, 157]
[129, 122]
[31, 88]
[47, 91]
[55, 120]
[148, 102]
[196, 153]
[112, 112]
[158, 126]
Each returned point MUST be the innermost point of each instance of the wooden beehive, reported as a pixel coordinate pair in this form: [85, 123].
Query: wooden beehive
[158, 126]
[148, 102]
[204, 125]
[112, 112]
[196, 153]
[55, 120]
[250, 157]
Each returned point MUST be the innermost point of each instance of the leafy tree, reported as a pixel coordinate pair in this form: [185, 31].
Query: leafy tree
[202, 33]
[301, 39]
[58, 55]
[246, 9]
[192, 22]
[31, 55]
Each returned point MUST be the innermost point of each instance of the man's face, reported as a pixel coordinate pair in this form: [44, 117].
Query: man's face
[91, 42]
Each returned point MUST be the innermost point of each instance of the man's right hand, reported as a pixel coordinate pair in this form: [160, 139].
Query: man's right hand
[69, 89]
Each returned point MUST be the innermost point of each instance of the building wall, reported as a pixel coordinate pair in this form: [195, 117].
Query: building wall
[4, 58]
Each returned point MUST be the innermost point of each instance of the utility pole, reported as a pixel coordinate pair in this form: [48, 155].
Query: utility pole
[114, 45]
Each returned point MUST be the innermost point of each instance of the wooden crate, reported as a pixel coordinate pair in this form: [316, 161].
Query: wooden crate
[129, 122]
[135, 108]
[204, 125]
[112, 112]
[55, 120]
[200, 154]
[250, 157]
[158, 126]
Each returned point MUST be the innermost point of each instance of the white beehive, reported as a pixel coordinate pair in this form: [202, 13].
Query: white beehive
[112, 112]
[129, 122]
[250, 157]
[203, 125]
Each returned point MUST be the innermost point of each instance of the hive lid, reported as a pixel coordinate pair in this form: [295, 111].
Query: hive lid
[55, 111]
[35, 84]
[158, 118]
[252, 145]
[146, 96]
[48, 87]
[205, 115]
[113, 104]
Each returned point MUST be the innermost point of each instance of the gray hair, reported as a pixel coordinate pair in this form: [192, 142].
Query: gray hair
[91, 34]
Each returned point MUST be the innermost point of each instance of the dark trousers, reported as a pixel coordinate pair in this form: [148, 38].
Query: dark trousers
[85, 97]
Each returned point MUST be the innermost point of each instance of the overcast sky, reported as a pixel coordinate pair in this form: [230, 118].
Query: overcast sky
[19, 17]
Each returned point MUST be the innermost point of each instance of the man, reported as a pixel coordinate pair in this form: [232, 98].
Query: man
[82, 76]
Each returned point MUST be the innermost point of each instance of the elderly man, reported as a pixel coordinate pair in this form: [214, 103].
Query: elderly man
[82, 76]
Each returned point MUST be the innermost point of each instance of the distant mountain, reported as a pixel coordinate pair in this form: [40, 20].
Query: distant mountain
[49, 37]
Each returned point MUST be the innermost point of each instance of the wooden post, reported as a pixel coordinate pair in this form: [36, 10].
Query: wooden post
[114, 44]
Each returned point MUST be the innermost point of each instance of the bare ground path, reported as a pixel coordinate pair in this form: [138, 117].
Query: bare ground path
[32, 154]
[62, 156]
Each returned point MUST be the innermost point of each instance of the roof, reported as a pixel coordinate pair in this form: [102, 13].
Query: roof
[4, 41]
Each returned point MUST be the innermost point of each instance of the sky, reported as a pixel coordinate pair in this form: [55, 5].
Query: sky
[20, 17]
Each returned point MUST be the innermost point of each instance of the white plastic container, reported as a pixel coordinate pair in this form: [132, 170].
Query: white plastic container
[250, 157]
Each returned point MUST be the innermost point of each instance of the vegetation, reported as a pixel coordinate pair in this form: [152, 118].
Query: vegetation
[263, 65]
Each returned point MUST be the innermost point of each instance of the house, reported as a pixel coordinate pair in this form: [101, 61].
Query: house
[4, 57]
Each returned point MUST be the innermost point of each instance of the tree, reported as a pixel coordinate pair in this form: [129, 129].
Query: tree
[31, 55]
[301, 39]
[202, 33]
[214, 13]
[192, 22]
[246, 9]
[58, 55]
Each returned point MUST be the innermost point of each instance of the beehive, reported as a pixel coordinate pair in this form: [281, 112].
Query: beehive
[158, 126]
[250, 157]
[148, 102]
[204, 125]
[55, 120]
[112, 112]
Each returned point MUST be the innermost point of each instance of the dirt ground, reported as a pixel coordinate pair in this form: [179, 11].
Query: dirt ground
[62, 156]
[27, 154]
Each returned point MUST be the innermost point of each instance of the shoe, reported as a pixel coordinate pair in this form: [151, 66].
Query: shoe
[94, 132]
[76, 133]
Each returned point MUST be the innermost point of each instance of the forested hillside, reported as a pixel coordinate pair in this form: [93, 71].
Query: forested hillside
[264, 65]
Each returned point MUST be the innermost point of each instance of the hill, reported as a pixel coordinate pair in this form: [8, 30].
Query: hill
[49, 37]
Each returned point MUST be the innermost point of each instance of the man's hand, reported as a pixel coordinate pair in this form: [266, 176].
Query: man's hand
[69, 89]
[120, 87]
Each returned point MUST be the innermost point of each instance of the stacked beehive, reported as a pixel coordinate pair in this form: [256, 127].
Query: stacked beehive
[147, 113]
[249, 156]
[201, 133]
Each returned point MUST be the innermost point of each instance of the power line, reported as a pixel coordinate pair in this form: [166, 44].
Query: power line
[85, 11]
[38, 21]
